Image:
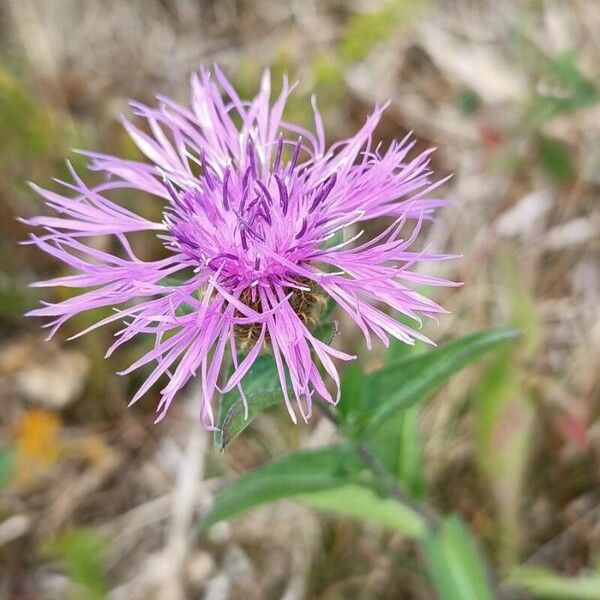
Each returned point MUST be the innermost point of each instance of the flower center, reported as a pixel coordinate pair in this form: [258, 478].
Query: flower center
[308, 302]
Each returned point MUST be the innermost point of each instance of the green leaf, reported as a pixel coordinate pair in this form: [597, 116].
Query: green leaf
[497, 385]
[362, 502]
[503, 413]
[468, 102]
[262, 389]
[326, 330]
[400, 384]
[397, 444]
[334, 240]
[569, 90]
[555, 159]
[327, 479]
[544, 583]
[6, 465]
[172, 281]
[299, 473]
[410, 457]
[366, 30]
[185, 309]
[14, 296]
[454, 564]
[352, 393]
[399, 350]
[82, 551]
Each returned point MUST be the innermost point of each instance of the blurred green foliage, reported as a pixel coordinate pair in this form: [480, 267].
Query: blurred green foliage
[366, 30]
[468, 102]
[34, 135]
[27, 128]
[557, 87]
[399, 385]
[454, 563]
[299, 473]
[361, 502]
[13, 297]
[565, 88]
[7, 461]
[503, 412]
[82, 550]
[555, 159]
[545, 584]
[327, 71]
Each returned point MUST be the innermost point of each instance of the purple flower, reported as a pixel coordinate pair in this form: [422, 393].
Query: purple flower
[253, 213]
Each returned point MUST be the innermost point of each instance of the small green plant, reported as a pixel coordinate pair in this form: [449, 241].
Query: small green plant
[375, 474]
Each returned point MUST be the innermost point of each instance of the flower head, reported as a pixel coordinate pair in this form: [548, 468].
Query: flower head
[254, 215]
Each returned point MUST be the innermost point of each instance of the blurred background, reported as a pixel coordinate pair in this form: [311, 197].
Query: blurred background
[96, 502]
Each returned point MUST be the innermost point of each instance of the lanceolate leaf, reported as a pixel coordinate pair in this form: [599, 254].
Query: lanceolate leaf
[262, 389]
[400, 384]
[545, 584]
[300, 473]
[362, 502]
[410, 470]
[353, 390]
[331, 479]
[504, 417]
[454, 564]
[235, 419]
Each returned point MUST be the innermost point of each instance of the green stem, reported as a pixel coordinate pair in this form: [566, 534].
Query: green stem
[432, 520]
[394, 488]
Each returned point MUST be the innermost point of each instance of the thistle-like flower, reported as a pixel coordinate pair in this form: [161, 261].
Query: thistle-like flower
[254, 215]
